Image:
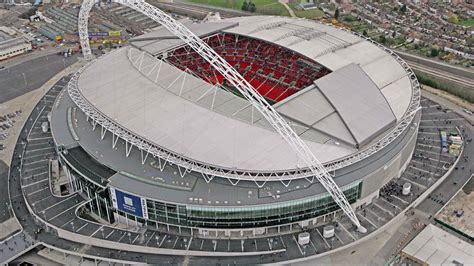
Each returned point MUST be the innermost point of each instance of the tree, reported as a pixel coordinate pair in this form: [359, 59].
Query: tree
[434, 52]
[252, 7]
[245, 6]
[453, 19]
[336, 13]
[403, 8]
[382, 39]
[394, 34]
[364, 33]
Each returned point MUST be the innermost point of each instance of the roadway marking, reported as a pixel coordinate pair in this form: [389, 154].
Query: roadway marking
[400, 199]
[338, 238]
[135, 239]
[382, 198]
[44, 154]
[376, 215]
[30, 139]
[96, 231]
[123, 235]
[315, 250]
[324, 239]
[446, 119]
[383, 209]
[59, 202]
[163, 240]
[80, 228]
[369, 221]
[297, 244]
[36, 168]
[176, 241]
[109, 234]
[414, 182]
[419, 169]
[67, 222]
[34, 203]
[34, 183]
[283, 242]
[189, 243]
[47, 148]
[39, 190]
[429, 146]
[152, 235]
[39, 161]
[347, 231]
[438, 127]
[35, 175]
[57, 215]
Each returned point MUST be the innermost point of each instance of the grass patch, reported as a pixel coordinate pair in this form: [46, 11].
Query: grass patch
[267, 7]
[463, 93]
[309, 14]
[467, 22]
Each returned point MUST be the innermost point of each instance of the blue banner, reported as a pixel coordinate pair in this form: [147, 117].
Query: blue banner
[129, 203]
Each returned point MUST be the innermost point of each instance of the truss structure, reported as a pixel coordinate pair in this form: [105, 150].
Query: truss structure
[314, 168]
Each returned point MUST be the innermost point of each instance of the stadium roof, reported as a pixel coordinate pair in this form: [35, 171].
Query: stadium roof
[191, 117]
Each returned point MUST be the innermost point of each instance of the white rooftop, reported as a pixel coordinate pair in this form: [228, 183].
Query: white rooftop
[435, 246]
[184, 114]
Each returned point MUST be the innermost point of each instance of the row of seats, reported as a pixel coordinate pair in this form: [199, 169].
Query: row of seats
[273, 71]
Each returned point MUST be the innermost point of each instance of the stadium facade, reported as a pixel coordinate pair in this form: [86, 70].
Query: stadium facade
[159, 138]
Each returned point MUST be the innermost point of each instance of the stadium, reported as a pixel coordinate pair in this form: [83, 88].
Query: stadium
[159, 138]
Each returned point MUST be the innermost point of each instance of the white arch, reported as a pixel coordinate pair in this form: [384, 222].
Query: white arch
[278, 123]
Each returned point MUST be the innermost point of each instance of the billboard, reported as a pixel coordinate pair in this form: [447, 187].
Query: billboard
[129, 203]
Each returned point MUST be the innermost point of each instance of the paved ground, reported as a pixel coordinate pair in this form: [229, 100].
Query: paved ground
[30, 75]
[423, 171]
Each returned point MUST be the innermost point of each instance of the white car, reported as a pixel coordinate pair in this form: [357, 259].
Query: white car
[467, 111]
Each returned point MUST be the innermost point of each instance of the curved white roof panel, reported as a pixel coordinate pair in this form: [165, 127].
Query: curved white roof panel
[190, 117]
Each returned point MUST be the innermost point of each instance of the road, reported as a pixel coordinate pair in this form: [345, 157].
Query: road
[27, 76]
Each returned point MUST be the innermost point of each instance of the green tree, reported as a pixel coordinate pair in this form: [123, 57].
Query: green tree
[245, 6]
[382, 39]
[403, 8]
[336, 14]
[434, 52]
[252, 7]
[453, 19]
[364, 33]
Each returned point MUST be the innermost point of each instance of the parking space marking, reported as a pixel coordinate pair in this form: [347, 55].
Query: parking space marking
[34, 183]
[109, 234]
[324, 239]
[369, 221]
[35, 175]
[39, 190]
[297, 244]
[152, 235]
[347, 231]
[39, 161]
[33, 156]
[382, 198]
[57, 203]
[79, 229]
[96, 231]
[34, 203]
[189, 243]
[61, 213]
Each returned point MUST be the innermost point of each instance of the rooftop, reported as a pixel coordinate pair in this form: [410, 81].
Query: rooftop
[434, 246]
[189, 116]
